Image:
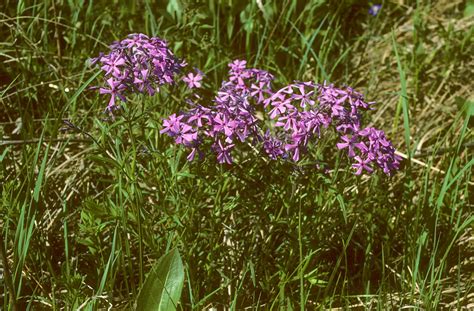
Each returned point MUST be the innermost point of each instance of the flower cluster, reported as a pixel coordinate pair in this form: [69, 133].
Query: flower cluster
[137, 64]
[229, 120]
[304, 109]
[368, 147]
[246, 111]
[298, 114]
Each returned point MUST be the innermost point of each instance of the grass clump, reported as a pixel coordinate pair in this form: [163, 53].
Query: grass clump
[89, 206]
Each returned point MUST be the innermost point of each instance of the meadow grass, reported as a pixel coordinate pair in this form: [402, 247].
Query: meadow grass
[86, 211]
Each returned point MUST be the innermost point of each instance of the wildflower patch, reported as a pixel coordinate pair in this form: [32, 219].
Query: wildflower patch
[294, 115]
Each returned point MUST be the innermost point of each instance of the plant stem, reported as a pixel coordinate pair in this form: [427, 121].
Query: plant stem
[36, 140]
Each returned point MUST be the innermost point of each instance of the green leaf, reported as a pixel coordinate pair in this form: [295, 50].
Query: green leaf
[469, 108]
[162, 287]
[39, 180]
[317, 282]
[83, 86]
[469, 9]
[4, 154]
[230, 26]
[175, 9]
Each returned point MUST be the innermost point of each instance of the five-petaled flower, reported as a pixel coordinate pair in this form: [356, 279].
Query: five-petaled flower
[223, 152]
[171, 126]
[362, 164]
[193, 80]
[115, 91]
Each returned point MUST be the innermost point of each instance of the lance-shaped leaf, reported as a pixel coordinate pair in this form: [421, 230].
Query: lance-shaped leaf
[162, 287]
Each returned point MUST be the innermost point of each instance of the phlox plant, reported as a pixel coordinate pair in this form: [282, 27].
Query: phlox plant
[246, 109]
[137, 64]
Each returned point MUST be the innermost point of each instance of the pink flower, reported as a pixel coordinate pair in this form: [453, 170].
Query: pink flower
[114, 91]
[193, 80]
[362, 164]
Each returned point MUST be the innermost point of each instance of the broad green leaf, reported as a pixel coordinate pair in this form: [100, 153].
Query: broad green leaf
[162, 287]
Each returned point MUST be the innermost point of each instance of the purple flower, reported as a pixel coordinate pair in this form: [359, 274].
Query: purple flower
[259, 90]
[294, 148]
[280, 107]
[375, 9]
[192, 154]
[172, 125]
[223, 152]
[112, 64]
[193, 80]
[185, 135]
[238, 65]
[198, 116]
[222, 123]
[348, 143]
[289, 121]
[114, 91]
[294, 116]
[272, 146]
[141, 82]
[139, 64]
[304, 98]
[362, 164]
[135, 40]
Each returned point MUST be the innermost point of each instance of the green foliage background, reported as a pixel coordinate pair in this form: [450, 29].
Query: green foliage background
[86, 213]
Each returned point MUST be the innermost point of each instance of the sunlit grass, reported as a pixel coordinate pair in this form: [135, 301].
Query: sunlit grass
[86, 211]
